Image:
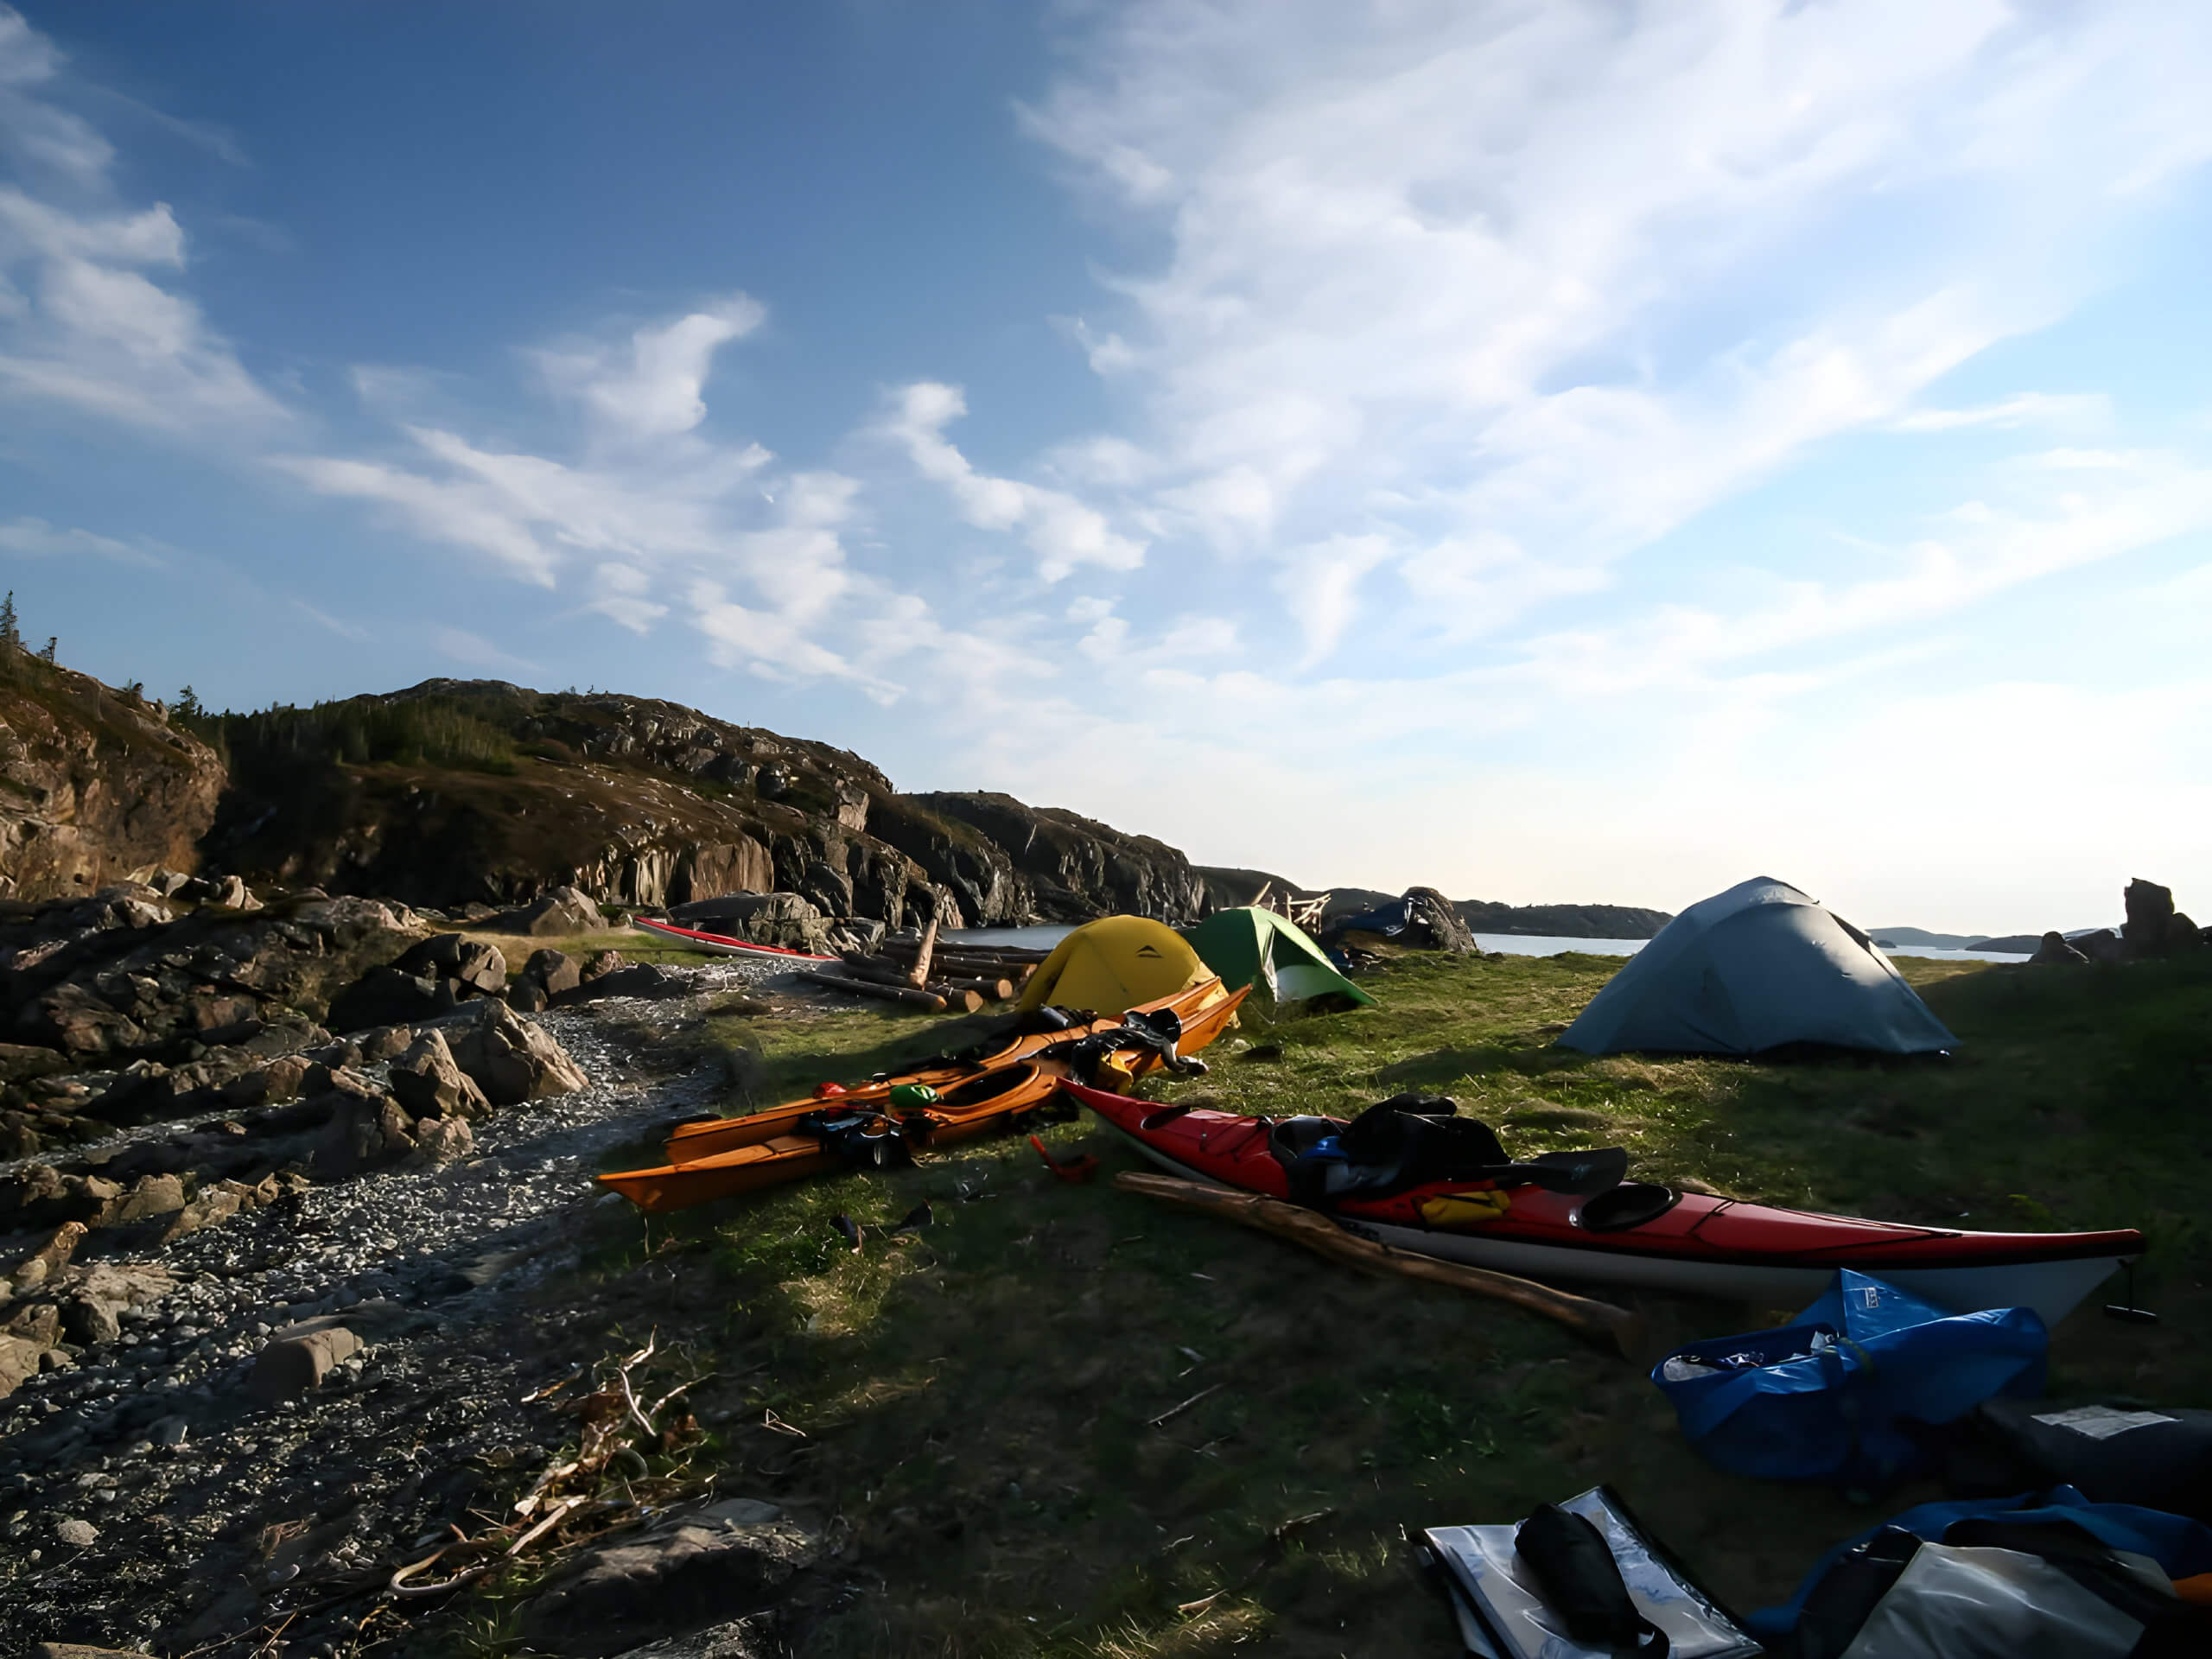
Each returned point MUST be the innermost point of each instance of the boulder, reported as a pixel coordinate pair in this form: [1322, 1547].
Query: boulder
[2183, 934]
[2054, 950]
[2103, 945]
[556, 971]
[2150, 913]
[150, 1196]
[362, 1133]
[385, 1042]
[442, 1140]
[694, 1569]
[781, 919]
[562, 911]
[387, 995]
[297, 1358]
[428, 1084]
[44, 1265]
[513, 1060]
[481, 966]
[1421, 919]
[19, 1062]
[18, 1360]
[528, 996]
[41, 1196]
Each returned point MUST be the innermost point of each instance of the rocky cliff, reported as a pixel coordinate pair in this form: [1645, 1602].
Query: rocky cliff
[96, 785]
[455, 791]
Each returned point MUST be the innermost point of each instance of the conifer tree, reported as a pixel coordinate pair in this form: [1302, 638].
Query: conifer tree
[53, 644]
[11, 634]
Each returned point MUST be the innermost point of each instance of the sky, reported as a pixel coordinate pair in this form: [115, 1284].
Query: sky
[1552, 450]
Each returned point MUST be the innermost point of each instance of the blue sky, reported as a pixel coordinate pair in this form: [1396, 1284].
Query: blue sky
[1555, 452]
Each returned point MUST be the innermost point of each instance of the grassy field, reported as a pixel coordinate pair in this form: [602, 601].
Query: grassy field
[977, 1402]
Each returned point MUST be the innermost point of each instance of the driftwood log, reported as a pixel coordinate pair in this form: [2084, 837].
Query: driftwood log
[1602, 1322]
[991, 990]
[906, 994]
[919, 974]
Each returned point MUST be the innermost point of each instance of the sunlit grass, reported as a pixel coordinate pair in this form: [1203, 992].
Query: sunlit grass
[977, 1402]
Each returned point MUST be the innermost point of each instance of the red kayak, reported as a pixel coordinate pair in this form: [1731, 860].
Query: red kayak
[723, 943]
[1495, 1215]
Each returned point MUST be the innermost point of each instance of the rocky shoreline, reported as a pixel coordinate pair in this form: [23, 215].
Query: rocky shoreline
[268, 1301]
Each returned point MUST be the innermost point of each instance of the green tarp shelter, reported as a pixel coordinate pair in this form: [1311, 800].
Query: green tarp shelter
[1258, 947]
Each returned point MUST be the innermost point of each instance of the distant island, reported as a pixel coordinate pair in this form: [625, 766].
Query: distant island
[1227, 887]
[1894, 939]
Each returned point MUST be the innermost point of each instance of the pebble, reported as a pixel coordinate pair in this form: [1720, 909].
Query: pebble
[80, 1534]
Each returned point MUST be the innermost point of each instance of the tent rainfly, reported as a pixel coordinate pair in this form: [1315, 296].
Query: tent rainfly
[1112, 964]
[1249, 946]
[1752, 968]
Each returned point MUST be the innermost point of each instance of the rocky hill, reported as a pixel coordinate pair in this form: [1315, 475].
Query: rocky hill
[96, 785]
[458, 792]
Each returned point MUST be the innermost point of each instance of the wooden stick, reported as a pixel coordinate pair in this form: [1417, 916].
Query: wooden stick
[920, 975]
[958, 1001]
[1602, 1322]
[906, 994]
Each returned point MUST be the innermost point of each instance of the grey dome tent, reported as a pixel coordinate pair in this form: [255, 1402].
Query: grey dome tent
[1752, 968]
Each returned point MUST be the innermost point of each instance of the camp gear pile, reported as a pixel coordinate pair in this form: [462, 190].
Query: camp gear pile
[1578, 1580]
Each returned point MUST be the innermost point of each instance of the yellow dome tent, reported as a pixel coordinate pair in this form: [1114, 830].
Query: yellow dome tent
[1112, 964]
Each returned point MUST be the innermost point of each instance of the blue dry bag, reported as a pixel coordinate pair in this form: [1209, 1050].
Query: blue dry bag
[1823, 1396]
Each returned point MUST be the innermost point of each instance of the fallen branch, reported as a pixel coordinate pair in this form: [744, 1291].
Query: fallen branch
[903, 994]
[1602, 1322]
[1177, 1411]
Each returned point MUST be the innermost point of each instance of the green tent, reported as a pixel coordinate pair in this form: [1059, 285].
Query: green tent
[1258, 947]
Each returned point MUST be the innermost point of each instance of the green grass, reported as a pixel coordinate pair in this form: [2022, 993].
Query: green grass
[976, 1402]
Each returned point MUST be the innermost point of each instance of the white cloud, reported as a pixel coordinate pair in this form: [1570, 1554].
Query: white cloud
[34, 538]
[1320, 587]
[343, 629]
[81, 322]
[476, 651]
[622, 590]
[651, 386]
[2079, 412]
[1568, 276]
[1063, 531]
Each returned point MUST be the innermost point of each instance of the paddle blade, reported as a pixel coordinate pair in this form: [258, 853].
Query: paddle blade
[1580, 1175]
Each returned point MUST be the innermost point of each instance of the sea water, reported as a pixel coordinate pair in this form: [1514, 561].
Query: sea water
[1512, 945]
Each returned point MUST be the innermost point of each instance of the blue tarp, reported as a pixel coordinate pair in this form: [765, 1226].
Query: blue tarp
[1822, 1397]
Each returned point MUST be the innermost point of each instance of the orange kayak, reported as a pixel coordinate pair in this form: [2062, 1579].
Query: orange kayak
[688, 1142]
[843, 1137]
[815, 1137]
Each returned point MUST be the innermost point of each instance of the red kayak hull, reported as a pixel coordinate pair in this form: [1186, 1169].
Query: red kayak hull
[1701, 1244]
[723, 942]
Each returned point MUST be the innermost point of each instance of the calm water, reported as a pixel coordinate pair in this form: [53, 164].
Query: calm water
[1513, 945]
